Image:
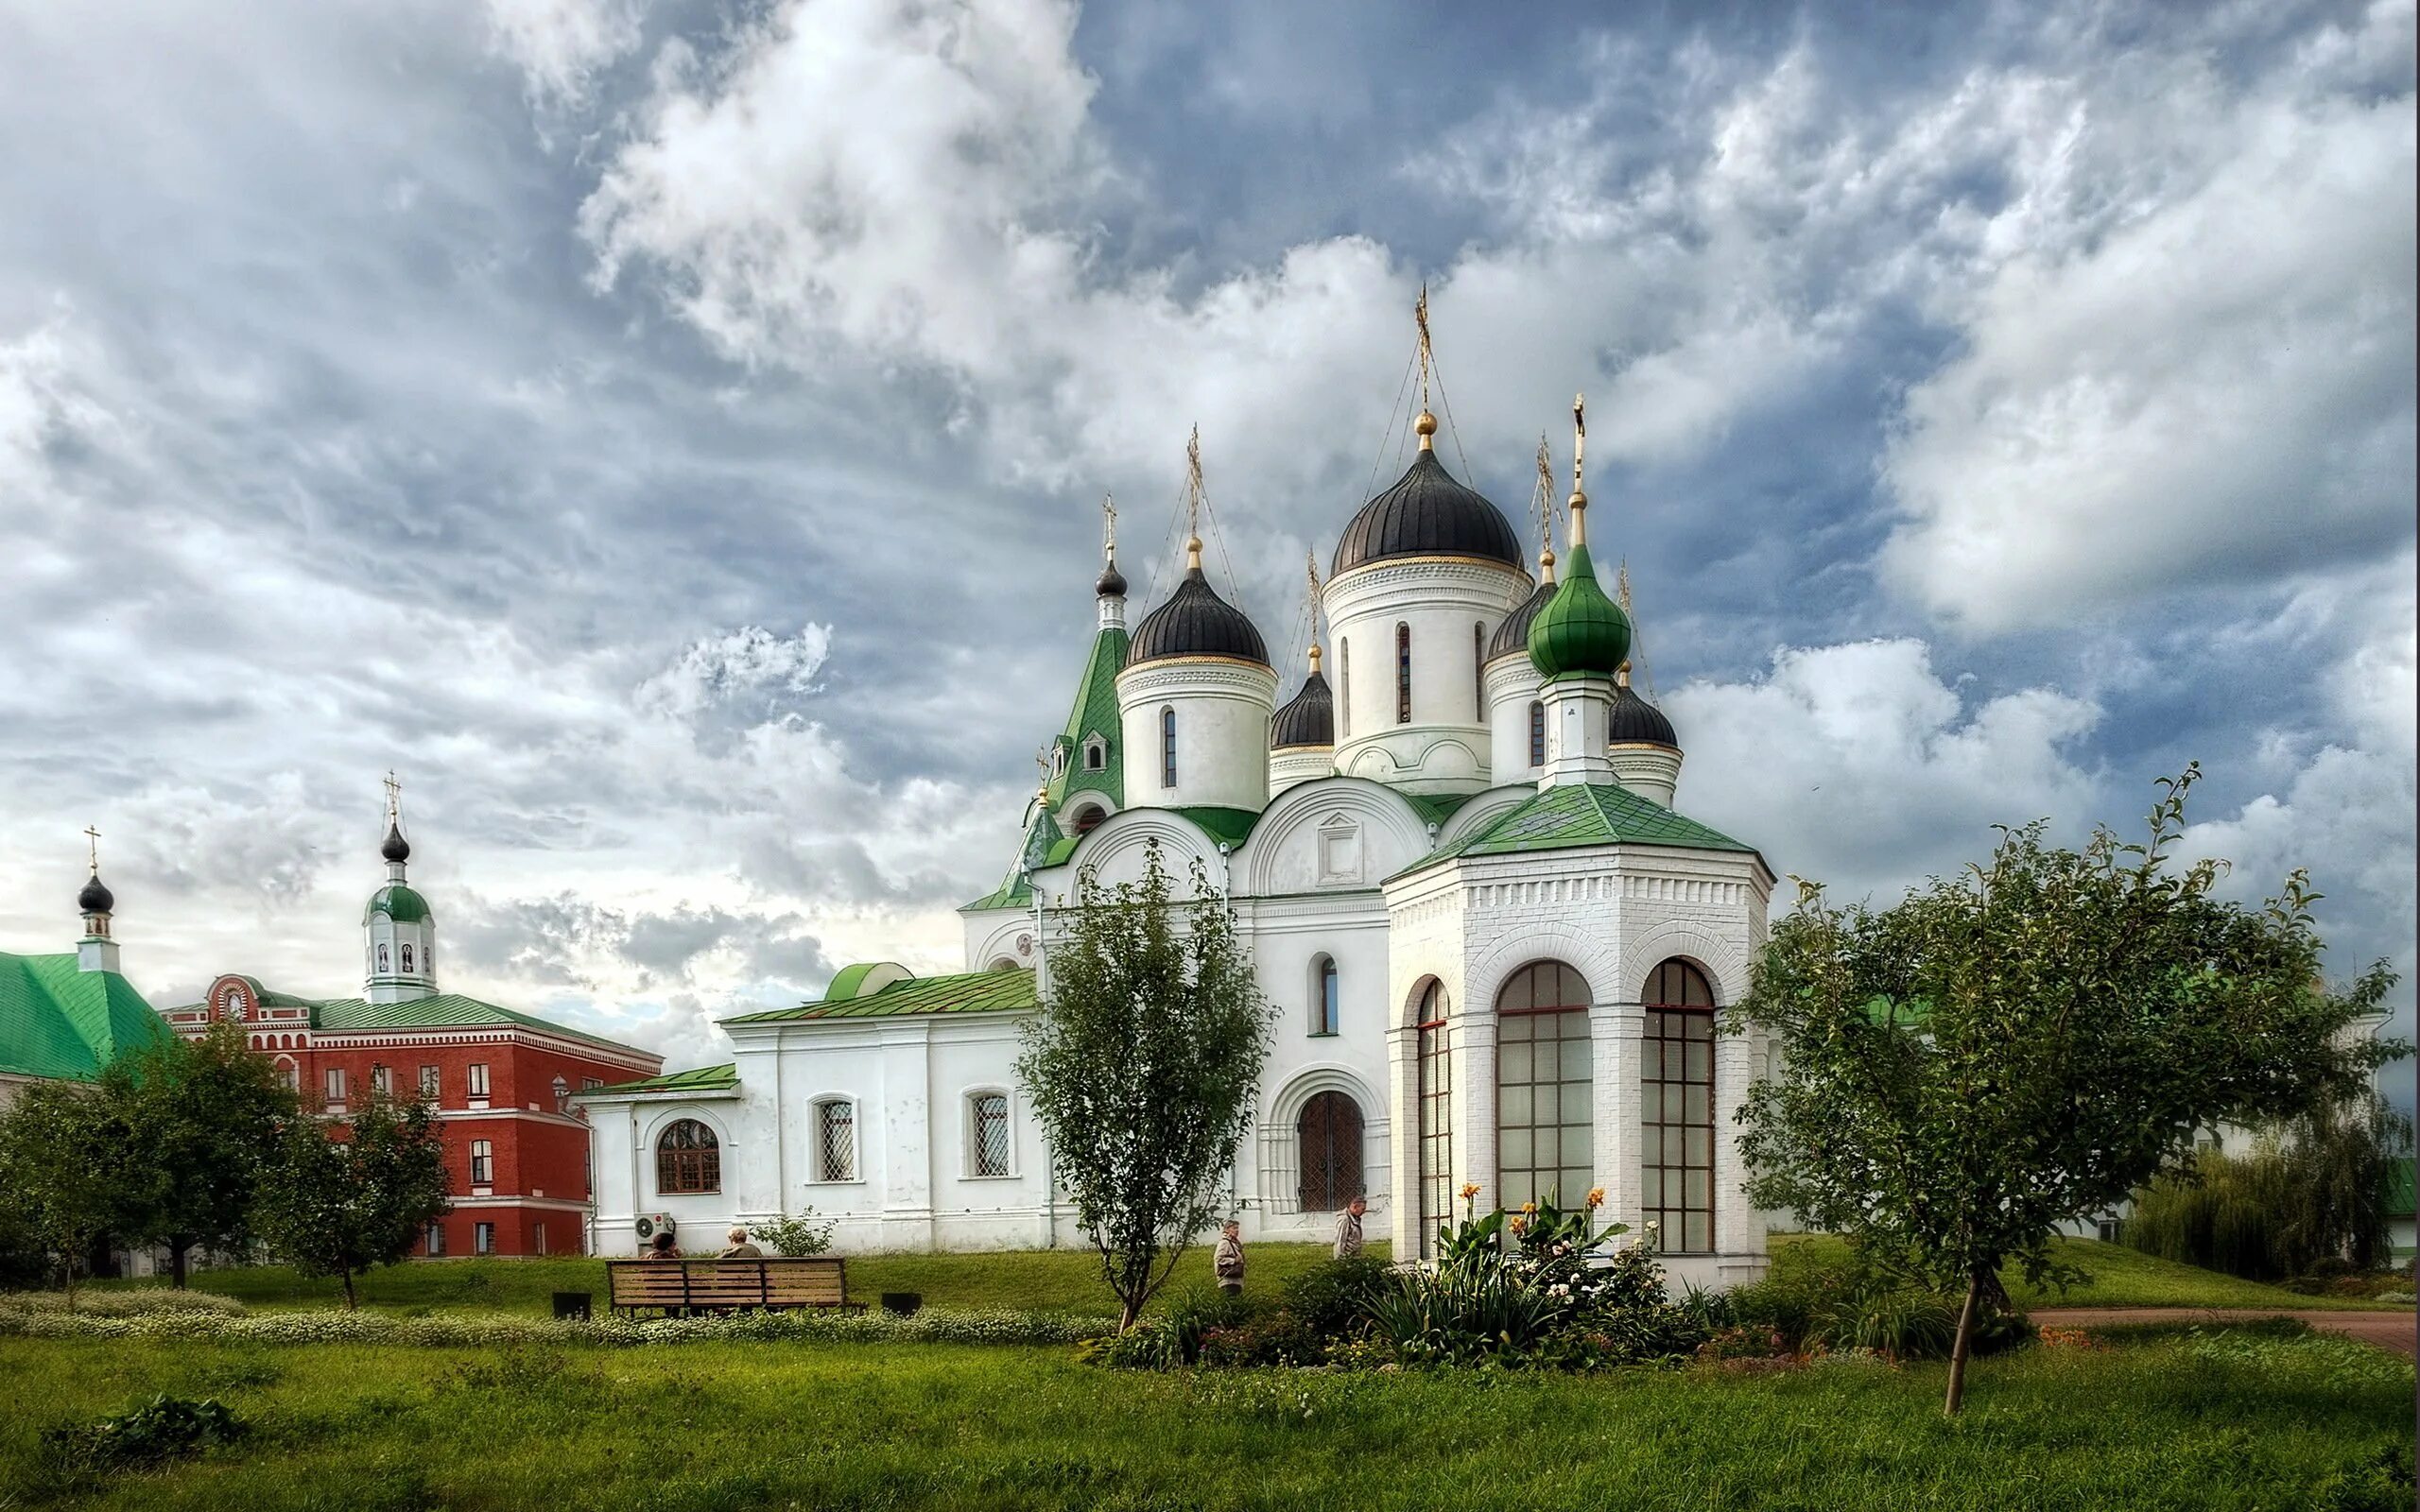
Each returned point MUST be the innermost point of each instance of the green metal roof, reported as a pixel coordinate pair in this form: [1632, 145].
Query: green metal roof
[1005, 992]
[444, 1010]
[58, 1020]
[1094, 712]
[1231, 825]
[2399, 1203]
[1581, 815]
[703, 1079]
[397, 902]
[1437, 807]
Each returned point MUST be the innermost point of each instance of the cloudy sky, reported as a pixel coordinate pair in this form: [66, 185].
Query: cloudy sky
[670, 436]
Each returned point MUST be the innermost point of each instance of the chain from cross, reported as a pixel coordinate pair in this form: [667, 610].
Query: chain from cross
[1420, 317]
[1542, 499]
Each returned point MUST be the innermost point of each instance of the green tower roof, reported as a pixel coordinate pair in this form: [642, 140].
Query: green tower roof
[397, 902]
[1580, 631]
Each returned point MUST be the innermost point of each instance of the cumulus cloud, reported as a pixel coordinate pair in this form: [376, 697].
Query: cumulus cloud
[560, 45]
[1861, 767]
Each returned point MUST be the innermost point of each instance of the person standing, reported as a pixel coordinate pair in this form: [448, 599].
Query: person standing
[1227, 1261]
[1348, 1228]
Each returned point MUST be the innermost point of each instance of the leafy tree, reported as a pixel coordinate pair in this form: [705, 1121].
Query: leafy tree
[66, 1162]
[205, 1115]
[1142, 1068]
[339, 1200]
[2028, 1044]
[2313, 1188]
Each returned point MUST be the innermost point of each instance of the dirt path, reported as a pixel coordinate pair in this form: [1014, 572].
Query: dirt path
[2387, 1328]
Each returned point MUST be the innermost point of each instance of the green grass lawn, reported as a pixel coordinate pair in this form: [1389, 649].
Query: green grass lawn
[1053, 1280]
[2119, 1276]
[2224, 1422]
[1068, 1281]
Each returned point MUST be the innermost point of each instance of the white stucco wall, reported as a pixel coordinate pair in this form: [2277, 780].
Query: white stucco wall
[1444, 747]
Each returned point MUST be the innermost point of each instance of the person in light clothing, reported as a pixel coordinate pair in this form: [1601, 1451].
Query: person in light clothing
[1348, 1228]
[740, 1248]
[1227, 1261]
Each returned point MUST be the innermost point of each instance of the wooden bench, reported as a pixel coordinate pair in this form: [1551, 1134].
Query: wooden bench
[680, 1286]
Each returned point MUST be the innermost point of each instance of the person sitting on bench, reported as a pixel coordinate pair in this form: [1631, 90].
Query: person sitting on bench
[662, 1246]
[740, 1248]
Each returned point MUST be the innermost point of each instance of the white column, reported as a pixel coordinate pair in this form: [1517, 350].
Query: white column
[1474, 1053]
[1738, 1226]
[1403, 1097]
[1618, 1033]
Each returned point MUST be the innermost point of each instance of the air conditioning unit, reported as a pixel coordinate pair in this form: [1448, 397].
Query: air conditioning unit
[652, 1224]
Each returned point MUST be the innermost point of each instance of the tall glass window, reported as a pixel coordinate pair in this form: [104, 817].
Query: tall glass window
[1326, 1016]
[1403, 674]
[1677, 1141]
[482, 1162]
[1545, 1130]
[1436, 1098]
[1537, 734]
[1479, 673]
[1345, 686]
[1167, 747]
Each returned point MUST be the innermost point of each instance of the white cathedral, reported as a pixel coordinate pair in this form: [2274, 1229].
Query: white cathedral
[1497, 951]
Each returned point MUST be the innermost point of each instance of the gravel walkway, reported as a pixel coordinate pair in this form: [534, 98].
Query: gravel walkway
[2387, 1328]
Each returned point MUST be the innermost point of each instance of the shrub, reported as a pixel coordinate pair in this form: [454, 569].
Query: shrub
[161, 1429]
[801, 1236]
[1281, 1338]
[133, 1303]
[1898, 1323]
[1332, 1299]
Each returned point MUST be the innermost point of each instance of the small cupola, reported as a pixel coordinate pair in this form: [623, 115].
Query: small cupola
[1196, 622]
[97, 950]
[1309, 719]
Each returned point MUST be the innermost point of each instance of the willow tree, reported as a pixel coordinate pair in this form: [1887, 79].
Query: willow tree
[2028, 1044]
[1142, 1066]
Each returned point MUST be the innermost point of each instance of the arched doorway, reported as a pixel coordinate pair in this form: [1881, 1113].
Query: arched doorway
[1544, 1088]
[1328, 1139]
[1677, 1108]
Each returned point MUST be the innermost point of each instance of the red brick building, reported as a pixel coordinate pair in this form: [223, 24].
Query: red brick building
[516, 1149]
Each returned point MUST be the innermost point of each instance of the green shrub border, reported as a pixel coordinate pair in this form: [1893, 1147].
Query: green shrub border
[481, 1330]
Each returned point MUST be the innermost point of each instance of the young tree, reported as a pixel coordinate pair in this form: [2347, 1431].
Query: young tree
[2028, 1044]
[205, 1116]
[339, 1200]
[1142, 1068]
[67, 1159]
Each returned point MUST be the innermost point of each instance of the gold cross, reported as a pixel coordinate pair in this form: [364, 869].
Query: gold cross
[1109, 527]
[92, 848]
[394, 798]
[1420, 317]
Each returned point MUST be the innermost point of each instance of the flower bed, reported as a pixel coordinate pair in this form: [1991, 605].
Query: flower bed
[480, 1330]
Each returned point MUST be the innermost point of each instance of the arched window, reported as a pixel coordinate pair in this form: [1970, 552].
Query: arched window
[987, 1125]
[1167, 747]
[1087, 820]
[407, 958]
[1479, 673]
[1544, 1088]
[1677, 1141]
[687, 1158]
[835, 1141]
[382, 956]
[1435, 1096]
[1328, 1136]
[1096, 754]
[1002, 963]
[1324, 996]
[1403, 674]
[1537, 734]
[1345, 686]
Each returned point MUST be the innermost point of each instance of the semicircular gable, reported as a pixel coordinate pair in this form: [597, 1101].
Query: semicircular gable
[1337, 831]
[1116, 850]
[1482, 809]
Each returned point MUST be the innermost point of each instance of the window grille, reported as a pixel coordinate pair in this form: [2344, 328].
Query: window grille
[1436, 1099]
[1537, 734]
[1167, 747]
[1403, 674]
[991, 1134]
[836, 1130]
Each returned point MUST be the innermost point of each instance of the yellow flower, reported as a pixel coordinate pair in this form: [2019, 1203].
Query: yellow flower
[1529, 1207]
[1519, 1222]
[1596, 1196]
[1470, 1190]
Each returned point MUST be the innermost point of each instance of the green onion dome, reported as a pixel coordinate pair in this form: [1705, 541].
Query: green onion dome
[1580, 632]
[397, 902]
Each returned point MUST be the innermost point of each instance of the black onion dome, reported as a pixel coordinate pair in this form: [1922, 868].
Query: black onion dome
[1194, 620]
[94, 899]
[1511, 637]
[1111, 584]
[1636, 722]
[1427, 513]
[1308, 717]
[396, 847]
